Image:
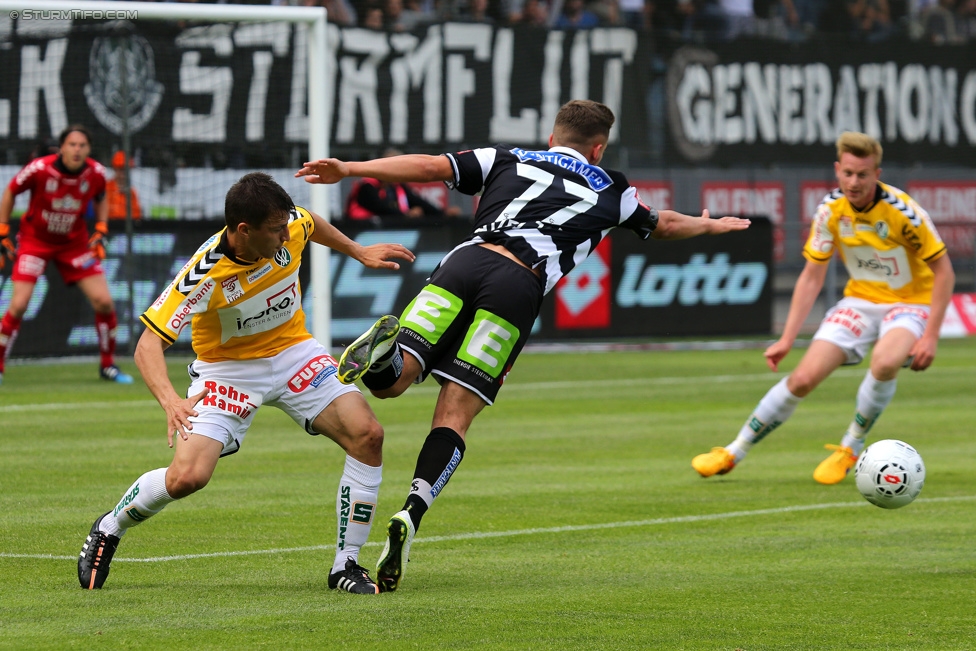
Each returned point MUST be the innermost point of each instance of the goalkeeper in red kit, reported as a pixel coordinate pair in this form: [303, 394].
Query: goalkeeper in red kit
[53, 230]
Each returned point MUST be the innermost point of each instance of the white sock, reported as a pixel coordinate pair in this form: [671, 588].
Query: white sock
[872, 398]
[359, 489]
[773, 410]
[144, 499]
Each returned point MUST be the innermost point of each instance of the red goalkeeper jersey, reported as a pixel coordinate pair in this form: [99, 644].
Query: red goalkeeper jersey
[58, 198]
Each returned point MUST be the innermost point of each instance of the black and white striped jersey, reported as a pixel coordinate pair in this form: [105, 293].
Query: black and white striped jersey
[549, 208]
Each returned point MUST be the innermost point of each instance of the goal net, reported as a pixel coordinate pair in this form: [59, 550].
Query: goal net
[183, 99]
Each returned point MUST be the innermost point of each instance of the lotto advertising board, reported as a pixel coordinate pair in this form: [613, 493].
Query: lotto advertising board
[633, 288]
[627, 288]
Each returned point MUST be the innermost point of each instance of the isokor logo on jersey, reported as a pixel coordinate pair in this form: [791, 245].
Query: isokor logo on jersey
[488, 343]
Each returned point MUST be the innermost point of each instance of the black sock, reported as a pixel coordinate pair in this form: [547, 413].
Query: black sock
[384, 372]
[437, 461]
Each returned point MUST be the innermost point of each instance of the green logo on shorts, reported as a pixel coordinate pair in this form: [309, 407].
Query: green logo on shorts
[489, 343]
[431, 312]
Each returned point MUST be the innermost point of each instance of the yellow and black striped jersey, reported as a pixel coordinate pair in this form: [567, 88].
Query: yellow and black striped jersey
[886, 248]
[238, 310]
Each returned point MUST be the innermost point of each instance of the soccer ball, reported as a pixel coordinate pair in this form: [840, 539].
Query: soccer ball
[890, 474]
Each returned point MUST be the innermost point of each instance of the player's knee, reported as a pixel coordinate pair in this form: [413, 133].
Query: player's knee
[887, 368]
[180, 483]
[800, 383]
[368, 440]
[103, 305]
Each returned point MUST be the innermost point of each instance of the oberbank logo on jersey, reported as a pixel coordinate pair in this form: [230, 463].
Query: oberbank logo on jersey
[262, 312]
[189, 305]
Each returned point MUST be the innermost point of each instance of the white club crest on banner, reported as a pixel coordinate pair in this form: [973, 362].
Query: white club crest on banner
[104, 92]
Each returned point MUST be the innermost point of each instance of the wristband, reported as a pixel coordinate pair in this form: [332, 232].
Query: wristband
[4, 230]
[102, 227]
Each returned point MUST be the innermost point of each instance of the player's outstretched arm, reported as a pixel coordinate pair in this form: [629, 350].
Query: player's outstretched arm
[805, 293]
[923, 352]
[375, 256]
[152, 364]
[408, 168]
[673, 225]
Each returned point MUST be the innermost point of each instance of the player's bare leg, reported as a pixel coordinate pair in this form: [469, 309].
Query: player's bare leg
[95, 288]
[10, 324]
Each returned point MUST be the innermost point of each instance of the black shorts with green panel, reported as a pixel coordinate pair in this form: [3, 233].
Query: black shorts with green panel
[472, 319]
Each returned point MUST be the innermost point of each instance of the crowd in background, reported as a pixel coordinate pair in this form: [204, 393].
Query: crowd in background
[868, 21]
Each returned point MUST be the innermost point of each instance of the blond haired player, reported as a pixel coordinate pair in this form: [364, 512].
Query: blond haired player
[240, 290]
[900, 284]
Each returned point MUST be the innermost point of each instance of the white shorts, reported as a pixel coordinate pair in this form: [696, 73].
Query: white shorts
[301, 381]
[854, 324]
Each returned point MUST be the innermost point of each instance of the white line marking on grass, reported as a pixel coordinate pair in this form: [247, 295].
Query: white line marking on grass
[479, 535]
[530, 386]
[62, 406]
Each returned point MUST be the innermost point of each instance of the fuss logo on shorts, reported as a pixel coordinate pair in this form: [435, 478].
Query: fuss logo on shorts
[313, 373]
[229, 399]
[488, 343]
[431, 312]
[903, 312]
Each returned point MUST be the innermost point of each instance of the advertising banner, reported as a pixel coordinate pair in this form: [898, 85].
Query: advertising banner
[960, 318]
[235, 95]
[626, 288]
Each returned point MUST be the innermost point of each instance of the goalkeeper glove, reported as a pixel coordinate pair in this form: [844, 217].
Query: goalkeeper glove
[7, 248]
[98, 240]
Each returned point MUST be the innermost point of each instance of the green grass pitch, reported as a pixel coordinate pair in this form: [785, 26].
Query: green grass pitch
[574, 522]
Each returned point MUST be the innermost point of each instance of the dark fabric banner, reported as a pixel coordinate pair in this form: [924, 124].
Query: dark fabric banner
[234, 95]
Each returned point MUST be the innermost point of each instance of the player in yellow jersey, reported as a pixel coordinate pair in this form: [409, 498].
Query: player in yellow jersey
[901, 281]
[240, 290]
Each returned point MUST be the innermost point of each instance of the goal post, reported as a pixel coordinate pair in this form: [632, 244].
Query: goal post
[316, 71]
